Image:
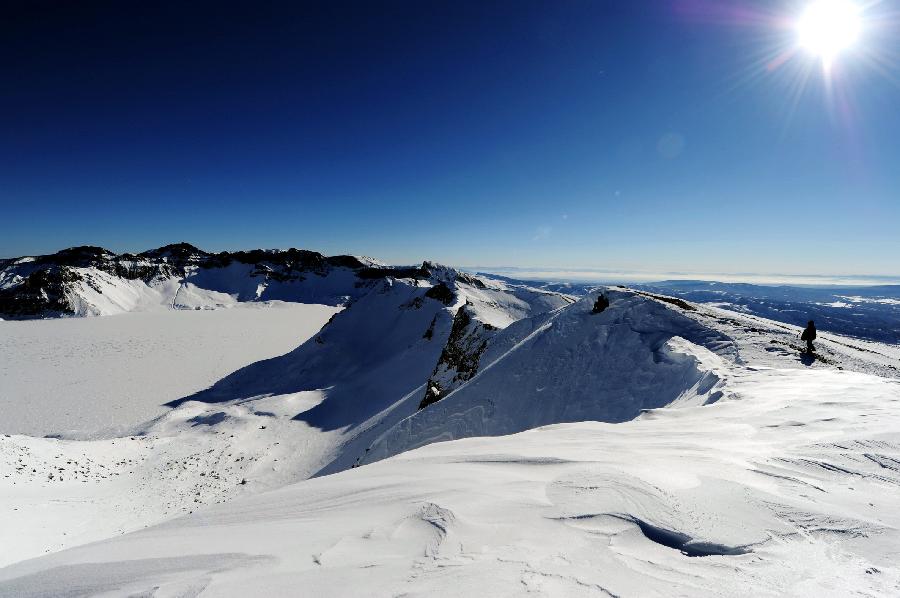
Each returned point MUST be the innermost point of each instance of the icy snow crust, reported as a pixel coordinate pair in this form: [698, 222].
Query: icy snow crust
[738, 466]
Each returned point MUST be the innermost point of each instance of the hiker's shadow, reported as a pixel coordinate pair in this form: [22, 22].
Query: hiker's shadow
[807, 359]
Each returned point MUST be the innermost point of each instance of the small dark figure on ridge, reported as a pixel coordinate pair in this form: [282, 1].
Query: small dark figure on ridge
[809, 335]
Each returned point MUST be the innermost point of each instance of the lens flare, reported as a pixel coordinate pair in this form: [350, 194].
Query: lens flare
[828, 27]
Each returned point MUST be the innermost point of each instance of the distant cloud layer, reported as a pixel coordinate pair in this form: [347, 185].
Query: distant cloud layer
[617, 276]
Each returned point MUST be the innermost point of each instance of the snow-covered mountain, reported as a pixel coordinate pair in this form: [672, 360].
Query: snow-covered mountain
[385, 355]
[722, 441]
[868, 312]
[89, 281]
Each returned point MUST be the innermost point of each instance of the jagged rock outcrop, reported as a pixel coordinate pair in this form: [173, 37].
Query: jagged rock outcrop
[441, 292]
[41, 292]
[89, 280]
[460, 357]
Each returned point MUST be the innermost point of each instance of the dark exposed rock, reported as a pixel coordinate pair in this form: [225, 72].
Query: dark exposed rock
[671, 300]
[345, 261]
[330, 320]
[600, 304]
[433, 394]
[472, 280]
[77, 257]
[441, 292]
[176, 251]
[142, 270]
[459, 358]
[42, 292]
[375, 273]
[429, 334]
[293, 259]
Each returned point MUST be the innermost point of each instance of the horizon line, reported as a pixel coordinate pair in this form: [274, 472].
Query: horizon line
[620, 275]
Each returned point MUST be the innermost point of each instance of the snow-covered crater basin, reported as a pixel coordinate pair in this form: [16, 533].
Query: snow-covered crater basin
[104, 375]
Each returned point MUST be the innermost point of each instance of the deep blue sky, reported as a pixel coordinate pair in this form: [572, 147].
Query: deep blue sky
[608, 134]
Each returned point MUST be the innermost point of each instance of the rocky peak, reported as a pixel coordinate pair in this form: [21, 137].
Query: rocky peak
[460, 357]
[83, 256]
[176, 252]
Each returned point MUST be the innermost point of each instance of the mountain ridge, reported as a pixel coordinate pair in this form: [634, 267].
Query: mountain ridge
[89, 280]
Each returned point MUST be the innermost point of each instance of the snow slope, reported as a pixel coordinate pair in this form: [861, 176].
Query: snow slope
[370, 364]
[102, 376]
[779, 467]
[274, 422]
[786, 487]
[572, 365]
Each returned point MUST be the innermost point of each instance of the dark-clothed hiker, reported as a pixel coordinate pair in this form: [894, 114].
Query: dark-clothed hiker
[809, 335]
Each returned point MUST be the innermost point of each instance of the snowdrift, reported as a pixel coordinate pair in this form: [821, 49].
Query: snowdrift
[572, 365]
[788, 491]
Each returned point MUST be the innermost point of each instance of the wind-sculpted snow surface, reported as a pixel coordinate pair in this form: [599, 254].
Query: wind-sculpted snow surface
[573, 365]
[787, 486]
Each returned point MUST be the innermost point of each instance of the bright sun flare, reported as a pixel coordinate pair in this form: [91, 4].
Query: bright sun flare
[828, 27]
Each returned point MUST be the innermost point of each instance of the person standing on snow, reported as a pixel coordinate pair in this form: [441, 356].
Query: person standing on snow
[809, 335]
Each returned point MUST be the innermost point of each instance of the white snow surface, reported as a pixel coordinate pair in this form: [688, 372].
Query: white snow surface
[101, 376]
[271, 423]
[571, 365]
[788, 489]
[729, 465]
[882, 300]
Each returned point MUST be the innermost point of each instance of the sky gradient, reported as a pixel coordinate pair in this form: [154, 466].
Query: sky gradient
[656, 136]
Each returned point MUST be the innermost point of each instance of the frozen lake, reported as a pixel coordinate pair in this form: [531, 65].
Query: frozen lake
[106, 374]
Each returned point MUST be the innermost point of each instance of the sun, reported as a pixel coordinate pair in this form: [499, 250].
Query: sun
[826, 28]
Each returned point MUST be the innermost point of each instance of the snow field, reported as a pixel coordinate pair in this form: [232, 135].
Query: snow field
[785, 488]
[103, 376]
